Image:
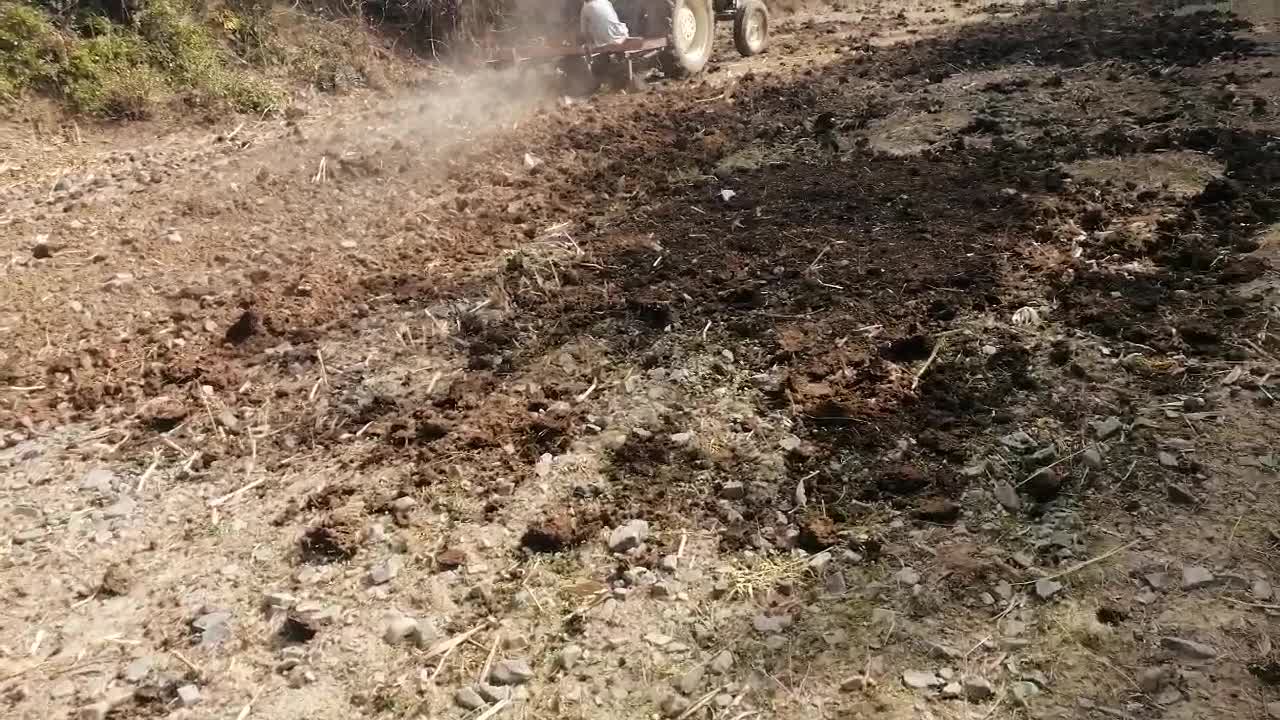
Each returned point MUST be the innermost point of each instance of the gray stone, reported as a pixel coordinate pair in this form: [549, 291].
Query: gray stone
[920, 679]
[1018, 441]
[1153, 679]
[1046, 588]
[99, 480]
[1188, 648]
[674, 705]
[1023, 691]
[138, 670]
[952, 690]
[690, 682]
[942, 652]
[1195, 577]
[770, 624]
[1167, 459]
[398, 629]
[733, 490]
[213, 628]
[1261, 590]
[1007, 496]
[189, 695]
[1157, 581]
[834, 583]
[1104, 429]
[468, 699]
[493, 693]
[511, 672]
[569, 656]
[857, 683]
[1092, 458]
[1273, 710]
[1044, 455]
[669, 563]
[1181, 495]
[722, 662]
[907, 576]
[122, 507]
[977, 689]
[386, 571]
[628, 536]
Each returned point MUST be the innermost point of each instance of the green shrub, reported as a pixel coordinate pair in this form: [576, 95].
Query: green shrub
[30, 49]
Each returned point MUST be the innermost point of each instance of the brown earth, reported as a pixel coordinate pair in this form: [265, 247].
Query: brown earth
[936, 340]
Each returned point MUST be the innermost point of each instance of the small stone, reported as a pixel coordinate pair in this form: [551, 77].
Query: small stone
[947, 674]
[690, 682]
[669, 563]
[1188, 648]
[1167, 459]
[952, 690]
[386, 571]
[1043, 456]
[1157, 581]
[722, 662]
[1195, 577]
[681, 439]
[834, 583]
[1273, 710]
[451, 558]
[492, 693]
[98, 480]
[1046, 588]
[1261, 590]
[569, 657]
[1044, 484]
[1153, 679]
[398, 628]
[733, 490]
[1023, 691]
[189, 695]
[942, 652]
[121, 508]
[938, 510]
[857, 683]
[1007, 496]
[673, 705]
[212, 628]
[468, 699]
[920, 680]
[771, 624]
[628, 536]
[1104, 429]
[138, 670]
[511, 672]
[907, 576]
[977, 689]
[228, 420]
[1092, 458]
[1019, 441]
[1181, 495]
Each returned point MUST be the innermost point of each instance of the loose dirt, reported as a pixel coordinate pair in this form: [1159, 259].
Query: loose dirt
[932, 347]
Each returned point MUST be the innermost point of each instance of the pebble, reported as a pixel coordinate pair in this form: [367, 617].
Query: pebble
[1153, 679]
[1181, 495]
[733, 491]
[673, 705]
[1018, 441]
[1188, 648]
[1273, 710]
[1261, 590]
[628, 536]
[857, 683]
[137, 671]
[1195, 577]
[722, 662]
[399, 628]
[1167, 459]
[213, 628]
[229, 420]
[920, 679]
[122, 507]
[189, 695]
[468, 699]
[952, 690]
[1007, 497]
[511, 672]
[492, 693]
[98, 480]
[907, 576]
[690, 682]
[769, 624]
[1023, 691]
[569, 657]
[669, 563]
[1046, 588]
[1092, 458]
[977, 689]
[1104, 429]
[385, 571]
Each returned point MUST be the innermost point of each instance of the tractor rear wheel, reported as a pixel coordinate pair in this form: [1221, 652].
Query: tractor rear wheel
[751, 27]
[691, 26]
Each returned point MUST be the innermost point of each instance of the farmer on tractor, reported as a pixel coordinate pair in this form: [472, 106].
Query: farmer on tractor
[600, 25]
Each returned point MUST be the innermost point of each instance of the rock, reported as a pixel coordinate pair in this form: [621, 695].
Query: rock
[938, 510]
[189, 695]
[1046, 588]
[833, 583]
[669, 563]
[1181, 495]
[212, 628]
[977, 689]
[227, 418]
[1195, 577]
[920, 680]
[1261, 590]
[1019, 441]
[451, 559]
[491, 693]
[1023, 691]
[942, 652]
[733, 490]
[1043, 456]
[1153, 679]
[690, 682]
[901, 480]
[386, 571]
[121, 508]
[1044, 485]
[857, 683]
[468, 699]
[116, 580]
[722, 662]
[1007, 496]
[1092, 459]
[138, 670]
[628, 536]
[99, 480]
[771, 624]
[952, 690]
[398, 629]
[1104, 429]
[1157, 581]
[673, 705]
[1167, 459]
[1188, 648]
[511, 672]
[1273, 710]
[569, 657]
[907, 576]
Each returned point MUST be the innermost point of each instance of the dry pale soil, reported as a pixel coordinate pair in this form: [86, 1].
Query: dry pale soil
[921, 367]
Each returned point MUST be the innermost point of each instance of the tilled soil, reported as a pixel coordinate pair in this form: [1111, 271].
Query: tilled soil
[921, 367]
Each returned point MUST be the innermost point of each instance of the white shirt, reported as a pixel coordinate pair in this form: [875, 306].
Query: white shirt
[600, 23]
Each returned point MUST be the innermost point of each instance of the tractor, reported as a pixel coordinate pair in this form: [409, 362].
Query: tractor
[674, 35]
